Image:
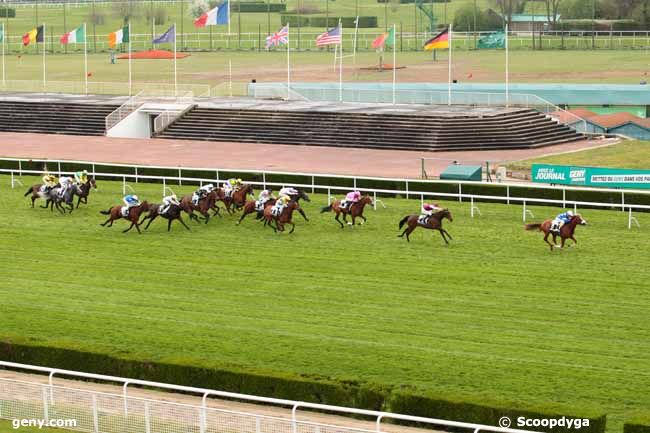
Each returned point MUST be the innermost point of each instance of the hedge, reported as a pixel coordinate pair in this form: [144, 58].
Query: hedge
[7, 12]
[322, 21]
[258, 7]
[294, 387]
[638, 424]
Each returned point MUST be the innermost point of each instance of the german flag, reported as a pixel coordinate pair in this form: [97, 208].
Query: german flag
[440, 41]
[34, 35]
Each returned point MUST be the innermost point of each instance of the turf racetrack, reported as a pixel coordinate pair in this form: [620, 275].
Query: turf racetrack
[495, 317]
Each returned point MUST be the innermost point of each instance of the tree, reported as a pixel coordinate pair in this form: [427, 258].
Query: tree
[552, 8]
[198, 8]
[128, 10]
[486, 20]
[508, 7]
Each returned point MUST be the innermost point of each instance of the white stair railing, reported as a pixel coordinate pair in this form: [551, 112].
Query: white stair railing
[123, 110]
[167, 117]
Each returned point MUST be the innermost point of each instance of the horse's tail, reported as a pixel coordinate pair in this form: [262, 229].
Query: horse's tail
[403, 221]
[326, 209]
[29, 191]
[105, 212]
[533, 226]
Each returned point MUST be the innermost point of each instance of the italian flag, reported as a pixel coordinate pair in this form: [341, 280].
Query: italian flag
[119, 37]
[387, 39]
[76, 36]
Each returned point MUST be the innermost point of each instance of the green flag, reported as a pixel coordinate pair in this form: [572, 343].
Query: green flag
[493, 40]
[2, 34]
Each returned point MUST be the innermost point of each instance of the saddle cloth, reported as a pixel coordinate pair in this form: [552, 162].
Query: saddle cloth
[125, 211]
[276, 211]
[422, 219]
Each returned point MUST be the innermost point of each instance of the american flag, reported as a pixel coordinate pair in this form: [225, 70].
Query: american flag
[330, 37]
[278, 38]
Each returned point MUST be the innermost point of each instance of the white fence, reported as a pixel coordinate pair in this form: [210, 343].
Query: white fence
[105, 412]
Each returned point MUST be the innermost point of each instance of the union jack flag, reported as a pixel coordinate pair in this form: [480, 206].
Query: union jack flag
[281, 37]
[330, 37]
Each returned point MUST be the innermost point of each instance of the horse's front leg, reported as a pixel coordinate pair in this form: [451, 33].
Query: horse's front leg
[78, 202]
[180, 219]
[563, 240]
[448, 235]
[150, 221]
[546, 240]
[574, 240]
[130, 227]
[363, 218]
[336, 217]
[293, 227]
[302, 212]
[443, 236]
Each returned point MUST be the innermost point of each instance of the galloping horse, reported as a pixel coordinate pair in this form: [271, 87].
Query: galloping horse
[52, 197]
[355, 210]
[566, 232]
[249, 207]
[237, 198]
[115, 213]
[282, 219]
[434, 222]
[173, 213]
[204, 206]
[83, 191]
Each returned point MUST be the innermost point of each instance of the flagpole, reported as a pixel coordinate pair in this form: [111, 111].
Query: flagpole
[354, 46]
[230, 77]
[130, 72]
[288, 63]
[44, 77]
[85, 59]
[341, 64]
[449, 78]
[507, 71]
[175, 70]
[394, 65]
[4, 37]
[229, 19]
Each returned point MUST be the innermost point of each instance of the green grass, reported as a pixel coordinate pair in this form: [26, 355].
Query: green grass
[495, 315]
[627, 154]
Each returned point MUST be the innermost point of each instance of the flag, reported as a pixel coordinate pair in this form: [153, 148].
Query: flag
[34, 35]
[493, 40]
[2, 34]
[213, 17]
[330, 37]
[76, 36]
[119, 37]
[438, 42]
[386, 39]
[168, 36]
[281, 37]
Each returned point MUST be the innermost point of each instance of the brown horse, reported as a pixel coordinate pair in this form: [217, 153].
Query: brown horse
[205, 205]
[434, 222]
[566, 232]
[83, 191]
[355, 210]
[282, 219]
[115, 213]
[173, 213]
[249, 208]
[237, 199]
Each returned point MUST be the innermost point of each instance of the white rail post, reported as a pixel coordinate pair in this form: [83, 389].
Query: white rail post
[46, 416]
[264, 180]
[374, 200]
[203, 418]
[126, 404]
[136, 174]
[507, 194]
[563, 196]
[524, 211]
[95, 414]
[164, 187]
[460, 192]
[59, 165]
[123, 185]
[12, 180]
[575, 208]
[294, 426]
[147, 419]
[218, 181]
[378, 424]
[471, 206]
[329, 196]
[631, 219]
[623, 201]
[50, 382]
[407, 189]
[421, 200]
[93, 169]
[180, 175]
[313, 183]
[20, 168]
[258, 425]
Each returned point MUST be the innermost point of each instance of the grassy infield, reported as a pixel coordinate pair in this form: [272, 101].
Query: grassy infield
[493, 317]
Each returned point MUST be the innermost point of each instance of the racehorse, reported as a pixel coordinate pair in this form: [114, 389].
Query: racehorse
[282, 219]
[115, 213]
[83, 191]
[236, 199]
[249, 207]
[204, 206]
[434, 222]
[566, 232]
[355, 210]
[52, 197]
[173, 213]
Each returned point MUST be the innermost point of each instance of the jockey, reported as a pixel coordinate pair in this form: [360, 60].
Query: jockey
[289, 190]
[231, 185]
[264, 196]
[66, 183]
[560, 220]
[168, 202]
[350, 199]
[427, 210]
[201, 193]
[280, 204]
[49, 181]
[130, 201]
[81, 177]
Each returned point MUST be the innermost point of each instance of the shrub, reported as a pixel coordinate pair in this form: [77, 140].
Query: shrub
[7, 12]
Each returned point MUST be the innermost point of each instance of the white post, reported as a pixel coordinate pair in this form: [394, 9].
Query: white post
[629, 219]
[471, 206]
[85, 59]
[507, 71]
[288, 64]
[394, 65]
[46, 416]
[341, 63]
[130, 80]
[354, 46]
[44, 46]
[449, 77]
[175, 62]
[230, 77]
[4, 37]
[95, 415]
[524, 211]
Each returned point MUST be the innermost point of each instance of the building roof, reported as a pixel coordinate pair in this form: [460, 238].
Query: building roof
[617, 119]
[568, 116]
[523, 18]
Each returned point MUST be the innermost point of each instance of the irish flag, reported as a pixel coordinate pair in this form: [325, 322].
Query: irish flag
[218, 15]
[119, 37]
[78, 35]
[387, 39]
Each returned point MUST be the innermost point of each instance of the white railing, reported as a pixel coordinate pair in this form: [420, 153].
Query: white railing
[507, 189]
[101, 87]
[145, 96]
[107, 412]
[123, 110]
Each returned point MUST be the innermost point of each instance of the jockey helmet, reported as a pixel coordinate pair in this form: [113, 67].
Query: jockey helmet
[570, 213]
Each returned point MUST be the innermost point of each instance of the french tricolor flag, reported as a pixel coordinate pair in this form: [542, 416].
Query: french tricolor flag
[218, 15]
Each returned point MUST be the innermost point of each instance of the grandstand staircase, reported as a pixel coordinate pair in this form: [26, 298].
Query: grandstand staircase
[513, 129]
[53, 118]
